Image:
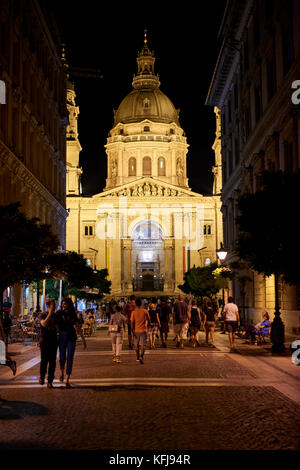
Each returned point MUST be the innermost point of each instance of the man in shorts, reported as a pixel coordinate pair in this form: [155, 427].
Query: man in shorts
[231, 320]
[139, 321]
[181, 318]
[129, 307]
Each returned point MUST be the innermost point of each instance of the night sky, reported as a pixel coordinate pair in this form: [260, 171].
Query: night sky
[185, 44]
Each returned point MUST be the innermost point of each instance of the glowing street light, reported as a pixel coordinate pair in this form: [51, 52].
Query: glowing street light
[221, 253]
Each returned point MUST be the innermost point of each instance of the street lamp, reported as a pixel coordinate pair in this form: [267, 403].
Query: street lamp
[94, 249]
[221, 253]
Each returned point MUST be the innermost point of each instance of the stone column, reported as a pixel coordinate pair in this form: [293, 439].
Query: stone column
[168, 266]
[127, 264]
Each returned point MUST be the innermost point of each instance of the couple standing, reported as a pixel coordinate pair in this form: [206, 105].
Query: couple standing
[58, 329]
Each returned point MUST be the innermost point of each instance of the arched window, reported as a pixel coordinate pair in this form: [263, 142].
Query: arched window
[161, 166]
[147, 166]
[132, 166]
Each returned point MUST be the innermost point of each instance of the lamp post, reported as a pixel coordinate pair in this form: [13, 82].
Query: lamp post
[277, 327]
[94, 249]
[222, 253]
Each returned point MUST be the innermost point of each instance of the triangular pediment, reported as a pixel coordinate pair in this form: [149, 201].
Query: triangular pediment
[147, 187]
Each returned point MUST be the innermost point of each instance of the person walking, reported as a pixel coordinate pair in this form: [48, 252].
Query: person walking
[68, 327]
[48, 343]
[129, 307]
[139, 322]
[181, 320]
[5, 359]
[154, 324]
[116, 330]
[232, 320]
[195, 322]
[164, 317]
[210, 314]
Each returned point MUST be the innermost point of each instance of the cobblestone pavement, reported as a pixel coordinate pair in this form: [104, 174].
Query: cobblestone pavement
[191, 399]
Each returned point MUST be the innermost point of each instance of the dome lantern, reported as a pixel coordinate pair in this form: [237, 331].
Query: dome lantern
[145, 77]
[146, 100]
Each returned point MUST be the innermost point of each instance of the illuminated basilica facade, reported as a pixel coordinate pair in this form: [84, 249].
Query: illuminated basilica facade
[147, 226]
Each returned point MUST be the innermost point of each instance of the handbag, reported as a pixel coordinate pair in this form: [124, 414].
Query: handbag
[113, 328]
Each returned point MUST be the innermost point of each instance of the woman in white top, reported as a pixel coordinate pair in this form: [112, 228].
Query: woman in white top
[232, 320]
[116, 330]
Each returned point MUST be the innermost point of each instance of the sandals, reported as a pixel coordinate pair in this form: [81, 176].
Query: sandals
[68, 385]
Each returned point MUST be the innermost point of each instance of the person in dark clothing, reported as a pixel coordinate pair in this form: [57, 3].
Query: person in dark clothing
[153, 325]
[7, 324]
[181, 318]
[164, 316]
[195, 322]
[68, 327]
[210, 313]
[48, 343]
[4, 358]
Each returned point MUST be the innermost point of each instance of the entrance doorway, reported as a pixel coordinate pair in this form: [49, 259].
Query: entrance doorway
[147, 257]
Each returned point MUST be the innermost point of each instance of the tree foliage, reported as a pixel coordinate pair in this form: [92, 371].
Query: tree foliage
[25, 245]
[268, 234]
[202, 282]
[78, 278]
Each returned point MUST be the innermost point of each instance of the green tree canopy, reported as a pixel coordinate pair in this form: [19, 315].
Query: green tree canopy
[25, 245]
[202, 282]
[77, 275]
[268, 238]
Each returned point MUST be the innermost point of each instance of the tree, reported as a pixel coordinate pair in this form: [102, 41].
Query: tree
[25, 245]
[268, 226]
[268, 234]
[204, 281]
[78, 277]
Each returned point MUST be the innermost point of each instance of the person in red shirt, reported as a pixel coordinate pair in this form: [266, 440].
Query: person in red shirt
[139, 322]
[129, 307]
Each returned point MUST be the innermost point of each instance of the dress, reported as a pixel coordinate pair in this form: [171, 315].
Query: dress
[164, 316]
[153, 326]
[195, 318]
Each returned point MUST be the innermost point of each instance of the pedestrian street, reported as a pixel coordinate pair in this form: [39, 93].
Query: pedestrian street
[244, 400]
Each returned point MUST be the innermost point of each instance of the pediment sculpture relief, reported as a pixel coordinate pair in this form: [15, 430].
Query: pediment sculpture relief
[147, 189]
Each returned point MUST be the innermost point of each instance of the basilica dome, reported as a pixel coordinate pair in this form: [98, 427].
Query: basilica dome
[146, 100]
[145, 103]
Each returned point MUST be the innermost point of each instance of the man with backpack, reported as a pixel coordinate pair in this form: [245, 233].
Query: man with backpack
[181, 318]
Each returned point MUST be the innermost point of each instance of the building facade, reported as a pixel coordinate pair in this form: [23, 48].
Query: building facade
[147, 226]
[252, 86]
[32, 121]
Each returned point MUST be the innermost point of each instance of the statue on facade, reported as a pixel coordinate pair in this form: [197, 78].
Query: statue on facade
[179, 167]
[135, 191]
[154, 190]
[140, 190]
[159, 191]
[114, 168]
[147, 189]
